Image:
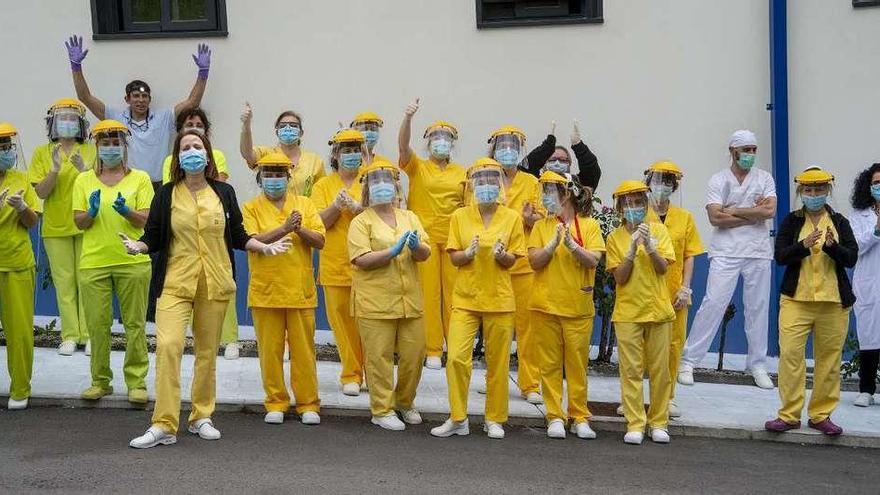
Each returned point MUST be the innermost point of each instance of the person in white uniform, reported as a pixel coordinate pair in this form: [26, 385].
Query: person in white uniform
[740, 201]
[865, 224]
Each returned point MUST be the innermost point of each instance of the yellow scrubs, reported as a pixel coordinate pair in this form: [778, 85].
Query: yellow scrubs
[815, 308]
[198, 286]
[304, 174]
[283, 298]
[642, 318]
[483, 295]
[61, 237]
[17, 277]
[434, 194]
[387, 302]
[334, 275]
[107, 269]
[562, 313]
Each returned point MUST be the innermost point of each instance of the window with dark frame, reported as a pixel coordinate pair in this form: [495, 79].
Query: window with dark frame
[866, 3]
[507, 13]
[113, 19]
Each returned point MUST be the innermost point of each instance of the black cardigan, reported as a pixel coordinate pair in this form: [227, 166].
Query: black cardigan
[157, 232]
[790, 252]
[589, 172]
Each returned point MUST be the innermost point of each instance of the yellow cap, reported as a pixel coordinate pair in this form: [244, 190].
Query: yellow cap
[346, 136]
[108, 126]
[68, 103]
[629, 187]
[367, 117]
[275, 159]
[484, 163]
[814, 175]
[552, 177]
[7, 130]
[665, 166]
[442, 124]
[380, 164]
[508, 129]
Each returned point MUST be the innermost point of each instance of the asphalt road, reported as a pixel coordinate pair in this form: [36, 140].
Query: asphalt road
[86, 451]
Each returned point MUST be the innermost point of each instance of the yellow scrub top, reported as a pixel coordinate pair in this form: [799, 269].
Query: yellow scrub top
[15, 243]
[286, 280]
[101, 245]
[219, 161]
[334, 268]
[524, 188]
[483, 285]
[686, 242]
[434, 194]
[817, 279]
[392, 291]
[564, 287]
[644, 297]
[198, 245]
[58, 207]
[304, 175]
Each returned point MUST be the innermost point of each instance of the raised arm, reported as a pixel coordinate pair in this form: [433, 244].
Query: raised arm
[536, 158]
[246, 141]
[202, 59]
[77, 54]
[589, 172]
[405, 134]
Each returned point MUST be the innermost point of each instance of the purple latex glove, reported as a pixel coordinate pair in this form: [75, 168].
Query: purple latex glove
[203, 60]
[75, 52]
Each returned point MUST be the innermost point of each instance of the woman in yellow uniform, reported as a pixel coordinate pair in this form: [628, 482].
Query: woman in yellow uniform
[816, 245]
[485, 240]
[53, 169]
[384, 245]
[507, 146]
[18, 202]
[638, 256]
[564, 250]
[194, 225]
[114, 198]
[307, 165]
[436, 190]
[282, 294]
[337, 198]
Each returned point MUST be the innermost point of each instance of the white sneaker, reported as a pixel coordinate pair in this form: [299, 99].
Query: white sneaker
[88, 347]
[583, 430]
[863, 400]
[493, 430]
[450, 428]
[351, 389]
[620, 410]
[204, 428]
[659, 435]
[481, 387]
[411, 416]
[674, 411]
[389, 422]
[433, 363]
[154, 436]
[13, 404]
[633, 437]
[762, 379]
[232, 351]
[274, 418]
[556, 429]
[685, 374]
[534, 398]
[310, 418]
[67, 348]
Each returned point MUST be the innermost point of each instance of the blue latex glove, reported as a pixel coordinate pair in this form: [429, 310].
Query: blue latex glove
[75, 52]
[413, 241]
[120, 206]
[202, 58]
[94, 203]
[398, 246]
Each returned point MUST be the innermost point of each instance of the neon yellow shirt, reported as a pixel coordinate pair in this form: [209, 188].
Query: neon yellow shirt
[58, 208]
[15, 243]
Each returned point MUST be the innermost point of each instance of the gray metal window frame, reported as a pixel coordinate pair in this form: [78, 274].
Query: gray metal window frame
[111, 20]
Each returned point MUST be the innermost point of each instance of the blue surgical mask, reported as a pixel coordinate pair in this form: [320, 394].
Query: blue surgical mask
[371, 137]
[634, 215]
[351, 160]
[558, 167]
[507, 157]
[111, 156]
[550, 202]
[815, 203]
[8, 159]
[274, 187]
[487, 193]
[746, 161]
[441, 148]
[382, 193]
[875, 192]
[67, 128]
[288, 134]
[192, 161]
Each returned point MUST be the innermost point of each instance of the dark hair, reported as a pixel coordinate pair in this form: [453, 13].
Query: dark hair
[183, 116]
[177, 173]
[649, 174]
[562, 148]
[861, 196]
[289, 113]
[581, 197]
[136, 85]
[259, 176]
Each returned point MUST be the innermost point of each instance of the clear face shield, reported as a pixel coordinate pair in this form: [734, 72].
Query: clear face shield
[665, 190]
[67, 123]
[370, 130]
[508, 150]
[486, 186]
[634, 208]
[551, 198]
[348, 155]
[441, 143]
[11, 153]
[381, 187]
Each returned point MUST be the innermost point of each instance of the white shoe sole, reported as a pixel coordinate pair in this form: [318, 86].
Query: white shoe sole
[460, 431]
[164, 441]
[379, 423]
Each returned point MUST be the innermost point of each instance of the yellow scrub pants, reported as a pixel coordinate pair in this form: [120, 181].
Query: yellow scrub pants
[272, 326]
[17, 320]
[677, 338]
[497, 330]
[337, 301]
[828, 323]
[131, 284]
[563, 344]
[641, 346]
[63, 254]
[527, 376]
[438, 281]
[173, 315]
[229, 333]
[381, 338]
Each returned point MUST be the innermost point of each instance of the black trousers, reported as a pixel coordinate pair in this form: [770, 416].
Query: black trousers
[868, 371]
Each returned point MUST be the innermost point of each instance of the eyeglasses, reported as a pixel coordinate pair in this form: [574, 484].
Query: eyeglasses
[282, 125]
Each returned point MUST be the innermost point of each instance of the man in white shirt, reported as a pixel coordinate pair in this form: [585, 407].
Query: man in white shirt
[741, 200]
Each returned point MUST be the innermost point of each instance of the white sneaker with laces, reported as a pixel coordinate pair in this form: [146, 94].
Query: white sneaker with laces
[67, 348]
[685, 374]
[204, 428]
[556, 429]
[88, 348]
[450, 428]
[411, 416]
[762, 379]
[232, 351]
[310, 418]
[274, 418]
[633, 437]
[389, 422]
[154, 436]
[674, 411]
[534, 398]
[659, 435]
[583, 430]
[493, 430]
[863, 400]
[351, 389]
[17, 405]
[433, 362]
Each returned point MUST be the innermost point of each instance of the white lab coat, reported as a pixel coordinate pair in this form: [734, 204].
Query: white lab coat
[866, 279]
